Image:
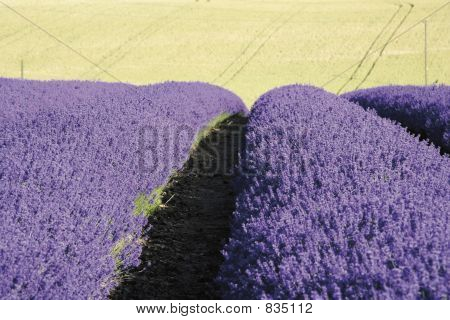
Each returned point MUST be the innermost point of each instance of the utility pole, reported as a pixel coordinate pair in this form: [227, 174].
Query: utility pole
[21, 69]
[426, 52]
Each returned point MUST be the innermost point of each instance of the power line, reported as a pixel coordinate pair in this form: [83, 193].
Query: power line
[393, 39]
[60, 41]
[384, 48]
[426, 52]
[366, 54]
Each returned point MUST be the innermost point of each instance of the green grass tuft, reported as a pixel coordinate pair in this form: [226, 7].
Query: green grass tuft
[208, 128]
[148, 204]
[118, 248]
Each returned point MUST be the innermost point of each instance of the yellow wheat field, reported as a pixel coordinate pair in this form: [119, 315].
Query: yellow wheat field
[247, 46]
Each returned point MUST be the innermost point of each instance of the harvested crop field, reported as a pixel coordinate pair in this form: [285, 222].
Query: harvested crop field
[248, 47]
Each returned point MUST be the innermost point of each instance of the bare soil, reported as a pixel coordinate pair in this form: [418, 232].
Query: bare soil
[185, 236]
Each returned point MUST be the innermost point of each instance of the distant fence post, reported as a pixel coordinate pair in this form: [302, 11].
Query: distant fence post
[426, 51]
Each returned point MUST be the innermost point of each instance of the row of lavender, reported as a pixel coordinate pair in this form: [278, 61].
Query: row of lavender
[339, 203]
[423, 110]
[74, 157]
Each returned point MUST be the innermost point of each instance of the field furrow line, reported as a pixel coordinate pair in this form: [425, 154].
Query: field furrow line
[249, 45]
[23, 33]
[166, 20]
[428, 16]
[76, 36]
[366, 54]
[372, 67]
[57, 39]
[28, 29]
[261, 46]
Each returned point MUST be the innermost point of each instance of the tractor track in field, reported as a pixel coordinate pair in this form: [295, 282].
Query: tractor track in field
[372, 45]
[26, 31]
[77, 36]
[57, 39]
[29, 29]
[262, 45]
[155, 26]
[184, 237]
[388, 41]
[248, 46]
[413, 25]
[23, 33]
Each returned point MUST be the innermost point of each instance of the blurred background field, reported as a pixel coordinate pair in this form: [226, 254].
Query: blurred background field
[247, 46]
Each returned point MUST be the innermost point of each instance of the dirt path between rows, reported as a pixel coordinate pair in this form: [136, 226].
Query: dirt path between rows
[182, 255]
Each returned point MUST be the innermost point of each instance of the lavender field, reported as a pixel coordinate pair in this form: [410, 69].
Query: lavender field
[73, 191]
[423, 110]
[328, 199]
[336, 203]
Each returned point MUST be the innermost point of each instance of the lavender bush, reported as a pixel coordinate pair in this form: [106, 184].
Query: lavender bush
[336, 203]
[75, 157]
[423, 110]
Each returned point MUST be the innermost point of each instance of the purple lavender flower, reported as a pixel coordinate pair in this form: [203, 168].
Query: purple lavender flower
[336, 203]
[73, 159]
[423, 110]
